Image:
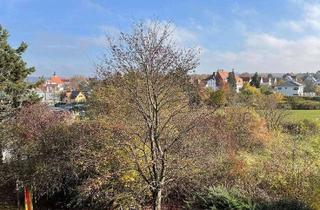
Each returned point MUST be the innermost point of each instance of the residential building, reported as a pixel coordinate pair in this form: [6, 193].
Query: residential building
[289, 77]
[73, 97]
[49, 98]
[239, 81]
[266, 81]
[220, 78]
[211, 82]
[246, 79]
[290, 88]
[54, 84]
[311, 79]
[50, 91]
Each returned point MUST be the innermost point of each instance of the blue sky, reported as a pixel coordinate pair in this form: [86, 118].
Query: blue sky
[67, 36]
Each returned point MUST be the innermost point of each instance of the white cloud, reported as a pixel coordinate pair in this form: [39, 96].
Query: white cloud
[296, 26]
[243, 12]
[93, 4]
[310, 19]
[184, 36]
[268, 53]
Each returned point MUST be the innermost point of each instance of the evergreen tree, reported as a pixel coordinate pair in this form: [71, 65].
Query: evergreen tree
[255, 81]
[232, 82]
[14, 89]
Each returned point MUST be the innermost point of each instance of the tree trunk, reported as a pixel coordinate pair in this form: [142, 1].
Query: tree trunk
[157, 196]
[1, 155]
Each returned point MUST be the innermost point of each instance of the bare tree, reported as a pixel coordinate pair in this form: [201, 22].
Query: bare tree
[151, 75]
[76, 82]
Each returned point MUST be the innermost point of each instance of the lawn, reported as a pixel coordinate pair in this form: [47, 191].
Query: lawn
[296, 115]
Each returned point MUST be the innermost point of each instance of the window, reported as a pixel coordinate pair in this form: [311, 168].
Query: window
[296, 88]
[279, 88]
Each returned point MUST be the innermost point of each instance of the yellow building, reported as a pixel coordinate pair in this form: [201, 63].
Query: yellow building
[74, 97]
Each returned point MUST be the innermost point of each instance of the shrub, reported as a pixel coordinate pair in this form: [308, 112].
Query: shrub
[284, 205]
[216, 98]
[299, 103]
[220, 198]
[216, 198]
[301, 127]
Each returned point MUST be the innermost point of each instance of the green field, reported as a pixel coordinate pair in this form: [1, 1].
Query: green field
[296, 115]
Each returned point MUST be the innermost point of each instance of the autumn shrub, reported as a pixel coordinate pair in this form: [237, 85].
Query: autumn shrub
[211, 154]
[214, 98]
[70, 163]
[22, 133]
[285, 172]
[303, 127]
[84, 162]
[220, 198]
[247, 128]
[298, 103]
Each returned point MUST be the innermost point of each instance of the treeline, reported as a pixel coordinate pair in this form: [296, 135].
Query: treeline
[151, 138]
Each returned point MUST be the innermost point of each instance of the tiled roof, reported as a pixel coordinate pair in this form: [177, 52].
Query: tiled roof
[56, 79]
[223, 74]
[290, 84]
[209, 77]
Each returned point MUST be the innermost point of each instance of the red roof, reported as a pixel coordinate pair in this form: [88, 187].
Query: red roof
[56, 79]
[223, 74]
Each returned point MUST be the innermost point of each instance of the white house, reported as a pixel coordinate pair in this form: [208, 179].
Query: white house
[47, 97]
[219, 79]
[311, 79]
[265, 81]
[211, 82]
[290, 88]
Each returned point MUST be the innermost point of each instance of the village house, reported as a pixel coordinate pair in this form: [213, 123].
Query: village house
[74, 96]
[239, 83]
[51, 89]
[290, 88]
[312, 79]
[289, 77]
[220, 78]
[49, 98]
[211, 82]
[268, 81]
[246, 79]
[54, 84]
[265, 81]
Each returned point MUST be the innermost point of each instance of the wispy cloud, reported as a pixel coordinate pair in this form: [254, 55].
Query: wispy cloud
[273, 52]
[243, 12]
[309, 20]
[93, 4]
[269, 53]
